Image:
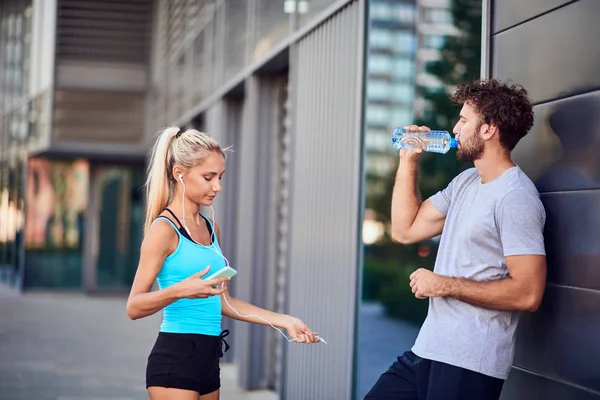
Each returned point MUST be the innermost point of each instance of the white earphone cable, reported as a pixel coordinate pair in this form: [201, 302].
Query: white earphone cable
[212, 247]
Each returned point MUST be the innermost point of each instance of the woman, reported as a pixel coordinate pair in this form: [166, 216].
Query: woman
[180, 247]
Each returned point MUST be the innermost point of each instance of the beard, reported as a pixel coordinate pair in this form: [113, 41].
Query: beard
[472, 149]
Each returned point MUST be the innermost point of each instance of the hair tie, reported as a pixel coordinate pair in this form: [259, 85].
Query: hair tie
[179, 132]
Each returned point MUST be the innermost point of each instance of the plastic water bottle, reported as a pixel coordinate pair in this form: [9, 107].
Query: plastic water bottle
[431, 141]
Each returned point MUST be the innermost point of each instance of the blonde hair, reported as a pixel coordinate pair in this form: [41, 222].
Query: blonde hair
[173, 147]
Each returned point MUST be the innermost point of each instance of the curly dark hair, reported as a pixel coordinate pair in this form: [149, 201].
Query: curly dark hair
[505, 105]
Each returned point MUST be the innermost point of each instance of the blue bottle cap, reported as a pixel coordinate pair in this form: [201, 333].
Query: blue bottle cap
[453, 143]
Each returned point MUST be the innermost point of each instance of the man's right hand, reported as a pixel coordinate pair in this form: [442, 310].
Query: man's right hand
[195, 288]
[413, 155]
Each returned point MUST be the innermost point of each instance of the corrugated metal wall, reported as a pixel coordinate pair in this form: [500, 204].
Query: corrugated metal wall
[313, 128]
[258, 217]
[326, 180]
[282, 208]
[548, 46]
[223, 122]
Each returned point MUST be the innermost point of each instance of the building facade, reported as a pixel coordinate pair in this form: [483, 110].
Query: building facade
[281, 82]
[74, 142]
[390, 82]
[434, 25]
[87, 84]
[307, 102]
[541, 45]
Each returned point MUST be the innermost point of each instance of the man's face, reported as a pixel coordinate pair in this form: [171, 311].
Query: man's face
[467, 131]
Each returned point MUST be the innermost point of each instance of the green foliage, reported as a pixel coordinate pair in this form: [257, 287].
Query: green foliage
[388, 266]
[386, 278]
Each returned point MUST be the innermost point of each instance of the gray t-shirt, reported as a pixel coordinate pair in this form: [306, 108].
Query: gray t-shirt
[484, 224]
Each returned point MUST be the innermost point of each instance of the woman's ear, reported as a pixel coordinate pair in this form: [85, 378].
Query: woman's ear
[176, 173]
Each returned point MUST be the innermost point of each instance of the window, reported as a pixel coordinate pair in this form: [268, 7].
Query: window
[380, 10]
[11, 216]
[378, 140]
[404, 12]
[378, 90]
[437, 15]
[404, 68]
[405, 42]
[381, 38]
[378, 115]
[403, 92]
[273, 25]
[380, 64]
[57, 199]
[401, 116]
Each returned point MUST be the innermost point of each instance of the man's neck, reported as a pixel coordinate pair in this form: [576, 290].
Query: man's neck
[492, 165]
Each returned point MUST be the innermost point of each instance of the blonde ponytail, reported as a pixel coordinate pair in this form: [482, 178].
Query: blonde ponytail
[158, 188]
[187, 150]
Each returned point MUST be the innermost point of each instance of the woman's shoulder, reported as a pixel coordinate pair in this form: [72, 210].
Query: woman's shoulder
[161, 235]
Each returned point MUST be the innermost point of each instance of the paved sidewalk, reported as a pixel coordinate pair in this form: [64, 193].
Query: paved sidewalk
[69, 346]
[381, 340]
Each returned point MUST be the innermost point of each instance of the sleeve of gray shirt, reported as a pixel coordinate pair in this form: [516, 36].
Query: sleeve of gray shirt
[442, 199]
[520, 217]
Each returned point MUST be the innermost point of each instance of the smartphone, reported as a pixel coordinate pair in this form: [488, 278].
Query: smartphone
[222, 273]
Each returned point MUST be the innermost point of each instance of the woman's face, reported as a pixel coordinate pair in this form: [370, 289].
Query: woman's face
[203, 182]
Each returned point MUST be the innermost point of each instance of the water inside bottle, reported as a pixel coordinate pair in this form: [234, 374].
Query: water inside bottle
[438, 142]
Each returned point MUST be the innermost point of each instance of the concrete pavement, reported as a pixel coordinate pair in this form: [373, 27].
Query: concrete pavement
[69, 346]
[381, 340]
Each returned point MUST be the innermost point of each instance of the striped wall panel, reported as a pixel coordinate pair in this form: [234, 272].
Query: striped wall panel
[326, 182]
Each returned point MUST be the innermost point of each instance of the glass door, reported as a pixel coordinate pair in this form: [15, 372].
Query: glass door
[117, 214]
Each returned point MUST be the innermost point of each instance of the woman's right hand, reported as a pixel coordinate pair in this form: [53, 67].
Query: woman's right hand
[195, 288]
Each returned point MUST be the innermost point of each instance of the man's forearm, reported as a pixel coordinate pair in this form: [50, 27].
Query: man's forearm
[502, 294]
[406, 198]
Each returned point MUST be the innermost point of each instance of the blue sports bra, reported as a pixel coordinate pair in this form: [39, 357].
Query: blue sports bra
[201, 316]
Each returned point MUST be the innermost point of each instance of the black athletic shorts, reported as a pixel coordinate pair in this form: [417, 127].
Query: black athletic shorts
[414, 378]
[186, 361]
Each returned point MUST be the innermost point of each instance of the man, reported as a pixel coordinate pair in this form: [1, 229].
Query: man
[491, 260]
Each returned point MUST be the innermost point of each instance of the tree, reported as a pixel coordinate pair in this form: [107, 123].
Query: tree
[459, 63]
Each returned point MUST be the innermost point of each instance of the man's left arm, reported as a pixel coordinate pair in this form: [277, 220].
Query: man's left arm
[520, 218]
[521, 290]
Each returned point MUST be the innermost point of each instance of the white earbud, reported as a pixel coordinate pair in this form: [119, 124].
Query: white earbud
[180, 176]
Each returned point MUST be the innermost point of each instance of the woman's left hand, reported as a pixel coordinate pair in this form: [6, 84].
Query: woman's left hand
[299, 331]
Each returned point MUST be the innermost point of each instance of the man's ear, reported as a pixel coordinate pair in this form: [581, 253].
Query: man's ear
[488, 131]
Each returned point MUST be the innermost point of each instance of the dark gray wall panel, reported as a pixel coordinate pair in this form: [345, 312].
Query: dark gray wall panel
[552, 52]
[554, 55]
[573, 239]
[522, 385]
[561, 150]
[560, 340]
[508, 13]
